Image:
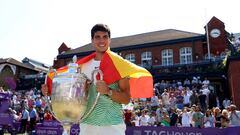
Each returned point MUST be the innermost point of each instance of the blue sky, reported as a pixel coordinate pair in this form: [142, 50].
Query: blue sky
[36, 28]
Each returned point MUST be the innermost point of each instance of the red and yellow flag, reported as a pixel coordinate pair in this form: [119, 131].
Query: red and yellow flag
[114, 68]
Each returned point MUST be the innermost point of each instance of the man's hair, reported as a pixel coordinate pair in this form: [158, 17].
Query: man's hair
[100, 27]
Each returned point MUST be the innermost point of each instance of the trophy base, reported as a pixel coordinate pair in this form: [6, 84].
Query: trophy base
[66, 129]
[68, 112]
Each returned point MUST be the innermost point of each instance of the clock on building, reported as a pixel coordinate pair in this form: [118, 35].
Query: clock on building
[215, 33]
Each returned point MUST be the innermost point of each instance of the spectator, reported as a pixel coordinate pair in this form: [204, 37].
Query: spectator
[203, 101]
[234, 116]
[212, 98]
[173, 117]
[192, 111]
[187, 83]
[165, 98]
[24, 102]
[157, 87]
[206, 81]
[172, 100]
[41, 115]
[165, 119]
[127, 117]
[185, 117]
[194, 81]
[224, 119]
[194, 99]
[144, 118]
[189, 92]
[38, 102]
[33, 117]
[162, 86]
[226, 103]
[205, 90]
[135, 119]
[152, 120]
[154, 102]
[179, 83]
[209, 120]
[179, 100]
[217, 116]
[198, 118]
[16, 117]
[186, 98]
[159, 113]
[24, 120]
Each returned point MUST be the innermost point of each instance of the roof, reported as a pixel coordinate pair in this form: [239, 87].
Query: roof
[150, 37]
[15, 62]
[215, 19]
[36, 64]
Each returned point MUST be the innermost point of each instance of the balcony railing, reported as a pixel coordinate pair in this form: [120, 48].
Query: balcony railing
[213, 66]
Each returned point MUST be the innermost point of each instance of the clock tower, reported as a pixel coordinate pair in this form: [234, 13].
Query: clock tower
[217, 36]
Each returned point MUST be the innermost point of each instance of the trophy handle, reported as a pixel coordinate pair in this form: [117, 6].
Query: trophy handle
[94, 73]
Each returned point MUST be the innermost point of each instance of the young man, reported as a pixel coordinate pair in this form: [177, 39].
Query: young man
[121, 80]
[106, 118]
[118, 78]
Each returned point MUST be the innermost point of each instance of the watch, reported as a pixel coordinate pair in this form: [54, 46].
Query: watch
[110, 93]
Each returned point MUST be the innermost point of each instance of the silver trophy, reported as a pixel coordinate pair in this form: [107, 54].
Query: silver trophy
[69, 95]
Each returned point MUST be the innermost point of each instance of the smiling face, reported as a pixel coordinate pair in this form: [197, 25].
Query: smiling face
[101, 42]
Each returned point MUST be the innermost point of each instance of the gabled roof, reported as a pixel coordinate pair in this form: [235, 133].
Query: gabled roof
[36, 64]
[63, 48]
[215, 19]
[150, 37]
[15, 62]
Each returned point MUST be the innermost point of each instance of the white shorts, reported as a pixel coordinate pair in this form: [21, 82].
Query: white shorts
[86, 129]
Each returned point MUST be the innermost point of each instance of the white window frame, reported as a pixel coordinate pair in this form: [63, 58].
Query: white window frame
[167, 57]
[185, 55]
[130, 57]
[146, 56]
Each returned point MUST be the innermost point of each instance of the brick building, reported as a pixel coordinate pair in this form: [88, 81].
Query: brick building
[23, 75]
[171, 54]
[11, 70]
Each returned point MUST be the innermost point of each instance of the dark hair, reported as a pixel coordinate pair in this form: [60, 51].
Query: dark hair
[100, 27]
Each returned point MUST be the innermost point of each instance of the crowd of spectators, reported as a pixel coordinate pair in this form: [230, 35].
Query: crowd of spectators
[182, 104]
[28, 108]
[187, 103]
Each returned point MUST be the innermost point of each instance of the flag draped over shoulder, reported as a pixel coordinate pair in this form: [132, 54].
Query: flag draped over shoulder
[114, 68]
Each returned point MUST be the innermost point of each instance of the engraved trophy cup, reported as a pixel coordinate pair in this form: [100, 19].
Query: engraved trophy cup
[69, 96]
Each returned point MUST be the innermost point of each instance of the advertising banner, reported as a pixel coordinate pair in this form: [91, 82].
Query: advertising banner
[181, 131]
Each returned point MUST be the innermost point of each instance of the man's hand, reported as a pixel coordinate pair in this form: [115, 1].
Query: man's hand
[102, 87]
[121, 96]
[44, 89]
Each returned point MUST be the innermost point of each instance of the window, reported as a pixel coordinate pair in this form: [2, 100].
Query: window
[185, 55]
[167, 57]
[146, 58]
[130, 57]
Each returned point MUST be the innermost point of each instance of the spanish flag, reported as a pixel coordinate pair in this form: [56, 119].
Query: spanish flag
[114, 68]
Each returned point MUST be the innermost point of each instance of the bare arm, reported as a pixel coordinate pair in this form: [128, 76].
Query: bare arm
[122, 96]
